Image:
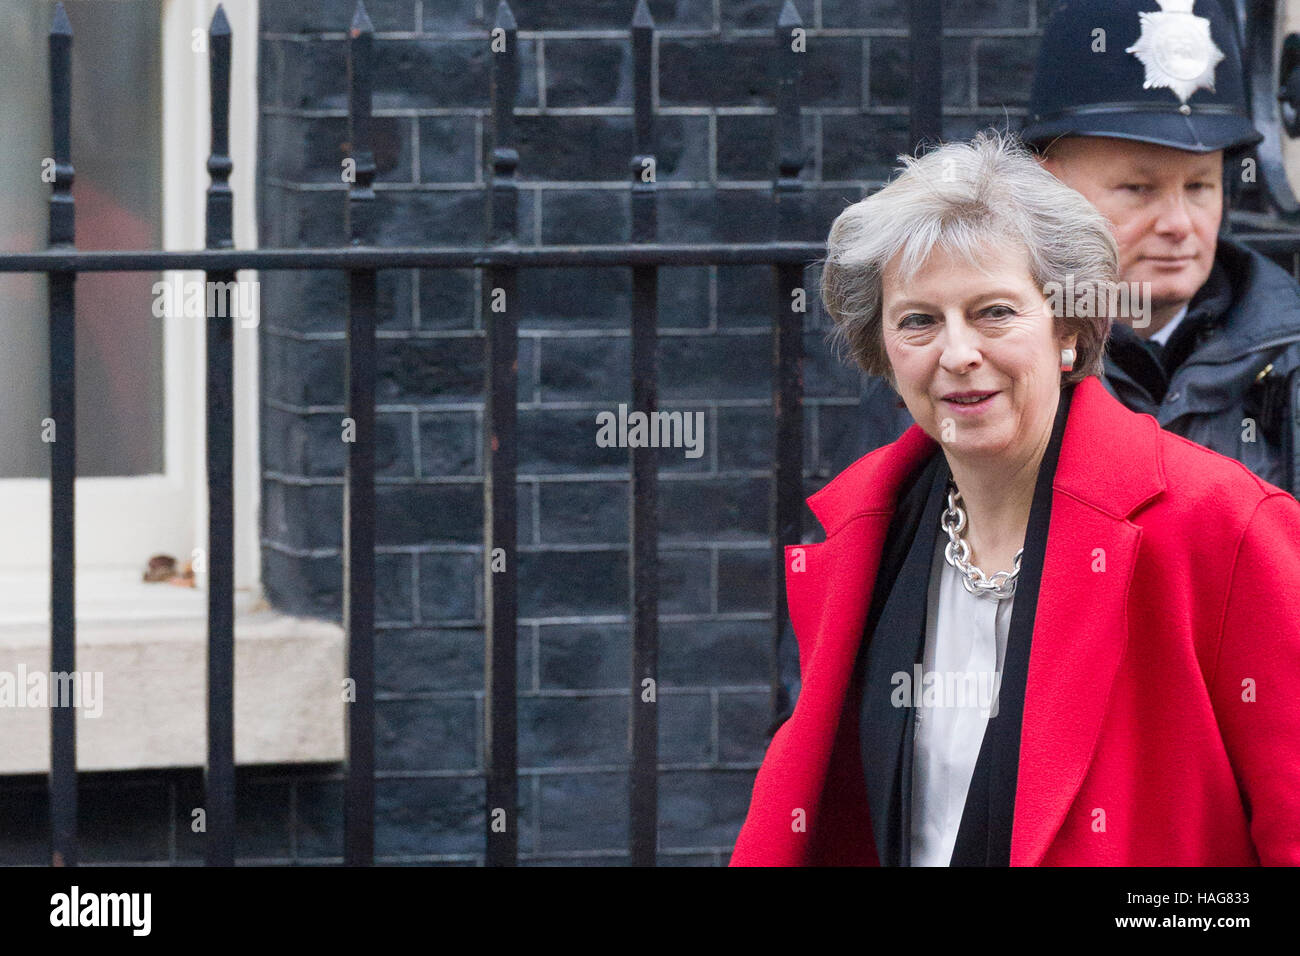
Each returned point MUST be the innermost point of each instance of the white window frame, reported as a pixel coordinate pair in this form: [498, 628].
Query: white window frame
[288, 670]
[122, 521]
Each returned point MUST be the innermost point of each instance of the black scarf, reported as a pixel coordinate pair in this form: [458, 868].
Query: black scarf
[894, 640]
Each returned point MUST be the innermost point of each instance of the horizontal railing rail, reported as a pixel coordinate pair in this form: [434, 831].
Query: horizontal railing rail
[421, 257]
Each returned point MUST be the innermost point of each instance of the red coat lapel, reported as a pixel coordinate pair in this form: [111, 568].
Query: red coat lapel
[1109, 468]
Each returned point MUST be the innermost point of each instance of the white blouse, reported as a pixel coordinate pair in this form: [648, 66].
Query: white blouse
[965, 646]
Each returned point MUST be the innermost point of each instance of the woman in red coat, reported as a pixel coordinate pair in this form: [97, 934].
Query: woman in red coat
[1041, 630]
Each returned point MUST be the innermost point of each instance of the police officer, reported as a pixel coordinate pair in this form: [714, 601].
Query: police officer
[1140, 105]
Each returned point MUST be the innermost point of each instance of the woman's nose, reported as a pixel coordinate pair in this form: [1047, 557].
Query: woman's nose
[959, 344]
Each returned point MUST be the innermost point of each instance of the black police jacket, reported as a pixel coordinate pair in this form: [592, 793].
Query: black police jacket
[1222, 379]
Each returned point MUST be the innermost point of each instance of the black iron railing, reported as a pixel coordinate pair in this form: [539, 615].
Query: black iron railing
[500, 259]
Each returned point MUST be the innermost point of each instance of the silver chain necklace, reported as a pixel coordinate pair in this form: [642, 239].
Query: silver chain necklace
[957, 553]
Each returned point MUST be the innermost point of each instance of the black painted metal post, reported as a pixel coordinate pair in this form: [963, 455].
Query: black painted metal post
[644, 566]
[786, 492]
[1261, 29]
[359, 479]
[500, 562]
[219, 777]
[926, 55]
[63, 453]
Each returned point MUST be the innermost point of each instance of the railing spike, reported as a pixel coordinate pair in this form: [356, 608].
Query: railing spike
[789, 16]
[505, 17]
[641, 16]
[61, 23]
[361, 20]
[220, 25]
[219, 766]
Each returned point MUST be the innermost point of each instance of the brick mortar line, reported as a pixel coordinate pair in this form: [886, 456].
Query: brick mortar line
[562, 693]
[667, 404]
[533, 186]
[570, 770]
[665, 475]
[590, 620]
[609, 112]
[738, 35]
[469, 482]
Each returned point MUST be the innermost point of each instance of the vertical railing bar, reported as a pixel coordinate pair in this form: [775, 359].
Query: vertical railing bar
[643, 572]
[926, 59]
[359, 480]
[219, 773]
[786, 491]
[63, 453]
[500, 316]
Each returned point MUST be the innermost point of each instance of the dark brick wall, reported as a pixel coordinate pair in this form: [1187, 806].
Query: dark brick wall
[285, 815]
[574, 645]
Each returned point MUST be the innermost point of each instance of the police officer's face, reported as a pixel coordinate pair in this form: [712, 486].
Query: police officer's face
[1165, 205]
[955, 328]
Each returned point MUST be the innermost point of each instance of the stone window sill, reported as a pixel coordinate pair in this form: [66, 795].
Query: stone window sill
[147, 643]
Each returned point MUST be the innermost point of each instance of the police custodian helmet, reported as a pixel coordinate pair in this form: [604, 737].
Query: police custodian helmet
[1159, 71]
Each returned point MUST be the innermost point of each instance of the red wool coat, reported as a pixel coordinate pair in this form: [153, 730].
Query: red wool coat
[1162, 705]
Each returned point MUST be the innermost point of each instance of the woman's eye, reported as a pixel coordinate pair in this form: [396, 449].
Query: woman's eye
[1134, 187]
[907, 320]
[999, 311]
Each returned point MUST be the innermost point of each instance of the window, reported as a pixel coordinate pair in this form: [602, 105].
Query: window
[147, 494]
[140, 145]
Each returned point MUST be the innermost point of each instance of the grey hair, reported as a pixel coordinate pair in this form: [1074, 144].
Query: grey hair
[963, 196]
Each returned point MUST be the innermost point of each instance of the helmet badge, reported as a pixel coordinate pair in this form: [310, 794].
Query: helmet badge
[1177, 50]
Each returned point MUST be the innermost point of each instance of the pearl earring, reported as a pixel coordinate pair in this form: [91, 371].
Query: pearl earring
[1067, 360]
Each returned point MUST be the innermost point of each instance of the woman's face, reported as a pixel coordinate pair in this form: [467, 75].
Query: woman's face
[955, 329]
